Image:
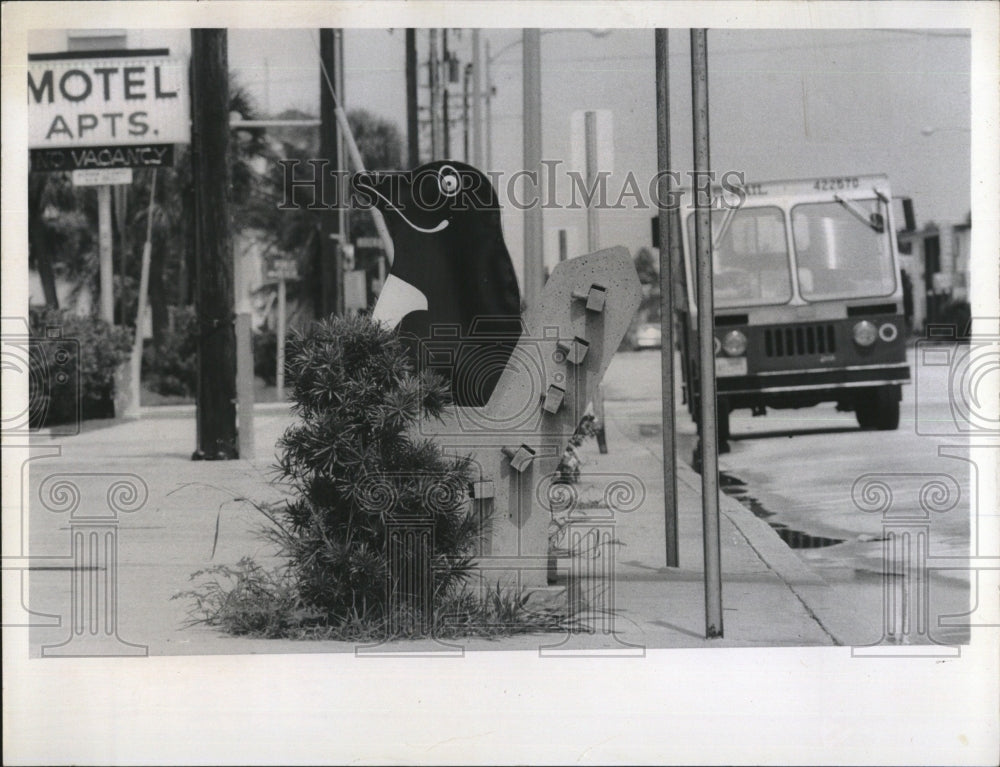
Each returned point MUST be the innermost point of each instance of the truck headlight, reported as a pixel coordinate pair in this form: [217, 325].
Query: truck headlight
[865, 333]
[735, 343]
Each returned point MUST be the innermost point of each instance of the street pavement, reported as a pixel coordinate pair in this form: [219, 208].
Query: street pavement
[200, 514]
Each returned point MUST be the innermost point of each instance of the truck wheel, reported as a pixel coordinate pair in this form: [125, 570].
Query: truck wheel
[878, 409]
[722, 416]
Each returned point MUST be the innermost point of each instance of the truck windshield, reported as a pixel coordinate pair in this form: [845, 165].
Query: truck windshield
[750, 265]
[839, 253]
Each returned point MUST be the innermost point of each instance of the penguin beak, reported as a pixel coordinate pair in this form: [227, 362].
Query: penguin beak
[397, 299]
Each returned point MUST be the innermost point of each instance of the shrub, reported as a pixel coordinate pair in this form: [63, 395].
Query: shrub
[171, 368]
[356, 469]
[357, 473]
[98, 349]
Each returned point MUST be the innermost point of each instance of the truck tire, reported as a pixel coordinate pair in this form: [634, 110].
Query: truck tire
[878, 409]
[722, 416]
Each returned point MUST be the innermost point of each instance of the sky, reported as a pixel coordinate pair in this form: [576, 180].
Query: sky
[783, 104]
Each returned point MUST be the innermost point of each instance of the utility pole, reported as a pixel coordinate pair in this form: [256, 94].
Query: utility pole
[489, 110]
[412, 103]
[216, 404]
[477, 102]
[467, 76]
[593, 224]
[534, 276]
[342, 184]
[432, 82]
[329, 150]
[445, 116]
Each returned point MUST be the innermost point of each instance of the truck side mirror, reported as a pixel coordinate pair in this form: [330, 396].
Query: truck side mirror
[910, 221]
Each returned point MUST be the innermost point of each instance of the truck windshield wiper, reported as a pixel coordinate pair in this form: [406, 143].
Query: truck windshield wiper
[873, 221]
[723, 227]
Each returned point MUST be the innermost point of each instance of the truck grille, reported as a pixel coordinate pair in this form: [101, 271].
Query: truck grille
[797, 341]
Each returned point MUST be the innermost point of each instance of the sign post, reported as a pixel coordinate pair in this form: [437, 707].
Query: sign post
[667, 234]
[104, 241]
[706, 338]
[282, 269]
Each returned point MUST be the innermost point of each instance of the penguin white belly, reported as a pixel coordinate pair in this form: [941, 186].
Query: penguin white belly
[397, 299]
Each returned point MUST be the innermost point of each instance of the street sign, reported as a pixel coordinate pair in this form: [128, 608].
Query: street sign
[101, 176]
[107, 98]
[283, 269]
[85, 158]
[368, 242]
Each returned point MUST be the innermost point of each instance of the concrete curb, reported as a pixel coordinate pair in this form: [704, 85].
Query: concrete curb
[759, 535]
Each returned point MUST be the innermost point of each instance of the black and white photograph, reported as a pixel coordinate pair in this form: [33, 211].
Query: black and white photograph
[417, 382]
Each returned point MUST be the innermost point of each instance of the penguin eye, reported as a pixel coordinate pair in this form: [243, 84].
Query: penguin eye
[448, 181]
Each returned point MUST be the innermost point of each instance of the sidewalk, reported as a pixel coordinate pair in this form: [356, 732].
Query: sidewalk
[770, 596]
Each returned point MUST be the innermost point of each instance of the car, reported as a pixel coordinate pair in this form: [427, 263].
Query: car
[646, 335]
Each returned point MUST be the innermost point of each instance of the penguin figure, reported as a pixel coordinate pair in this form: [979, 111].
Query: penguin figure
[451, 290]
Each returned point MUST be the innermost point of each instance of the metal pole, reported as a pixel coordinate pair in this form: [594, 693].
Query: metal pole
[432, 75]
[706, 338]
[489, 111]
[477, 102]
[280, 354]
[532, 96]
[667, 254]
[590, 134]
[104, 242]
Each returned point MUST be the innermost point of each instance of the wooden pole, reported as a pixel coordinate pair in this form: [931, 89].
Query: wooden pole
[667, 256]
[477, 101]
[534, 276]
[412, 103]
[216, 408]
[329, 150]
[433, 85]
